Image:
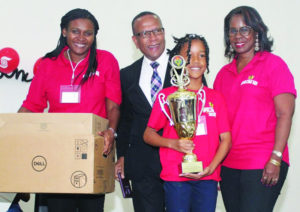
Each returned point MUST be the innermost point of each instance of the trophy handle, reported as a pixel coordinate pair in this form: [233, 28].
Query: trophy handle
[202, 98]
[162, 102]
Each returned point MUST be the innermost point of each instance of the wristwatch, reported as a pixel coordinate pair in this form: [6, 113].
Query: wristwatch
[277, 153]
[113, 131]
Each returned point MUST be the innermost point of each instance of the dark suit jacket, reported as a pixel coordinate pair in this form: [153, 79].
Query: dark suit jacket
[140, 158]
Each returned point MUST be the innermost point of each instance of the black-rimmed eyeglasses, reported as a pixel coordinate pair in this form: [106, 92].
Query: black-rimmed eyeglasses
[244, 31]
[147, 34]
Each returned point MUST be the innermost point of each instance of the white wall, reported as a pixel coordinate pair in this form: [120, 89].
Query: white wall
[32, 28]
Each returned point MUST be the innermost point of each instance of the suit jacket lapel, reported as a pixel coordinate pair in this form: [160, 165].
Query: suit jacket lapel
[139, 92]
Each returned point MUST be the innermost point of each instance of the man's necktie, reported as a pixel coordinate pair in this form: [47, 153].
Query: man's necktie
[155, 81]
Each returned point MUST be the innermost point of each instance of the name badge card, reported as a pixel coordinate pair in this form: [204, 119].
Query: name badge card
[70, 93]
[202, 126]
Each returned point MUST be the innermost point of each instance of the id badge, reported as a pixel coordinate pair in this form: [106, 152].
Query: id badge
[202, 126]
[70, 93]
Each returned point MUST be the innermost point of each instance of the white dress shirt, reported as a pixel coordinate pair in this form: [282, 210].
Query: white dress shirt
[147, 71]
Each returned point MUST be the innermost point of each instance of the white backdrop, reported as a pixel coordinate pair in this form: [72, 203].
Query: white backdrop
[32, 28]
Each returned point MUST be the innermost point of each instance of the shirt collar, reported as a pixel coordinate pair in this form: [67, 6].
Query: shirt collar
[161, 60]
[66, 61]
[259, 56]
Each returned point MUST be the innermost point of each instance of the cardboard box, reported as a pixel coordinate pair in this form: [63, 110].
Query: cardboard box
[54, 153]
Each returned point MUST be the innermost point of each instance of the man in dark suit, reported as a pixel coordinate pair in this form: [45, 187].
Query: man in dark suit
[141, 161]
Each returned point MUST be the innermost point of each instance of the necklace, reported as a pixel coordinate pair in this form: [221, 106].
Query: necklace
[73, 68]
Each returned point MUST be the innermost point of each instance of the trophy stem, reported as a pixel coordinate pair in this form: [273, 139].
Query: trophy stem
[190, 157]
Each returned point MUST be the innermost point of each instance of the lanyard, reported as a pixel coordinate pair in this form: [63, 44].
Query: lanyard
[73, 68]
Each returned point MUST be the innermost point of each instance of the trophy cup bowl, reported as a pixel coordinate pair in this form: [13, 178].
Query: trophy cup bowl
[182, 105]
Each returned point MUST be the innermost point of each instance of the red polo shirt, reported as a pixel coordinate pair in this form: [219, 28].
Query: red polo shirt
[52, 74]
[250, 100]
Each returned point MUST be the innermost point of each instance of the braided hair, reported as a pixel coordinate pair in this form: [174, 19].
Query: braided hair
[188, 38]
[62, 42]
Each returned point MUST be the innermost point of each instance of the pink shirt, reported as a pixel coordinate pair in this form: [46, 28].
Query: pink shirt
[215, 113]
[52, 74]
[250, 100]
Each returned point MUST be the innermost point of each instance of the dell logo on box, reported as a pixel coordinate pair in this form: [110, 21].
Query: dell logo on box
[39, 163]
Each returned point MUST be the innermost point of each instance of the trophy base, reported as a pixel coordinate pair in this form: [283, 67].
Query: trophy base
[191, 167]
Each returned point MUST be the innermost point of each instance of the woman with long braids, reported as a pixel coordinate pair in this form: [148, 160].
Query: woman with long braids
[195, 191]
[260, 93]
[77, 78]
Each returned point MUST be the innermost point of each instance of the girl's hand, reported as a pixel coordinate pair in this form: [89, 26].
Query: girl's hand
[183, 145]
[207, 171]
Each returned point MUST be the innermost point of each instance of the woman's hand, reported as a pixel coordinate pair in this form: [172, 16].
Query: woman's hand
[284, 108]
[108, 141]
[113, 114]
[270, 174]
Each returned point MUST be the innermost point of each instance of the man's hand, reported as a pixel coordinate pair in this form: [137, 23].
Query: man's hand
[119, 168]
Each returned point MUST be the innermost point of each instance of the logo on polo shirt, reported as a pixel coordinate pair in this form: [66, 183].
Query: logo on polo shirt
[210, 110]
[250, 80]
[97, 73]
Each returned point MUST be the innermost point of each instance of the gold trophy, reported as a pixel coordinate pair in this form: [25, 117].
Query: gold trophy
[182, 105]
